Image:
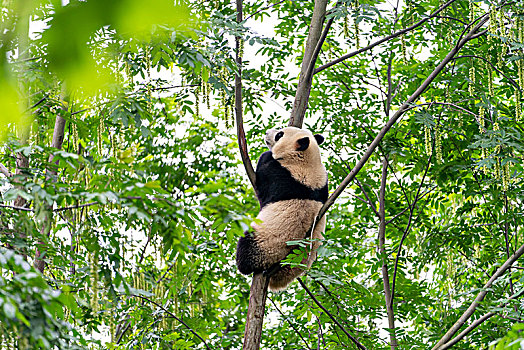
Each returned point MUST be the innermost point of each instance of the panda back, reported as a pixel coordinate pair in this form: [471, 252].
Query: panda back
[275, 183]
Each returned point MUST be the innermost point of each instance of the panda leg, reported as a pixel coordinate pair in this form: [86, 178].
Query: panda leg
[250, 257]
[284, 276]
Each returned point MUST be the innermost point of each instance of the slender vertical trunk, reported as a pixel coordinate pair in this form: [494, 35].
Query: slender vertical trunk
[260, 282]
[306, 77]
[382, 252]
[45, 229]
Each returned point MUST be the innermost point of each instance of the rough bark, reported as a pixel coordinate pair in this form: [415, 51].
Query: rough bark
[255, 312]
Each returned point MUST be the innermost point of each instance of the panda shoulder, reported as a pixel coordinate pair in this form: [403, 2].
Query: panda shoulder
[264, 159]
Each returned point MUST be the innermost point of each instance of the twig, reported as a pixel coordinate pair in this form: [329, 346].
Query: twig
[382, 251]
[15, 208]
[396, 116]
[263, 9]
[480, 296]
[290, 323]
[357, 343]
[513, 82]
[173, 316]
[478, 322]
[389, 37]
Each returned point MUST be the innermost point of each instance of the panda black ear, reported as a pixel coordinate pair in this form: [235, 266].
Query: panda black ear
[303, 144]
[319, 138]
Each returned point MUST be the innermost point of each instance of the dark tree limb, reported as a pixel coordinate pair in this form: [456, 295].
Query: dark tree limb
[15, 208]
[480, 296]
[382, 252]
[387, 38]
[353, 339]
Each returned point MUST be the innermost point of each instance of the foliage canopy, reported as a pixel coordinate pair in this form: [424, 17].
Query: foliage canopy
[122, 182]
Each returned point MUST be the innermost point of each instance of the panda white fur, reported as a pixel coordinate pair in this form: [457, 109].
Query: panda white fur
[292, 187]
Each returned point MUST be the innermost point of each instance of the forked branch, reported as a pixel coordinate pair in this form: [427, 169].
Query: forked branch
[398, 114]
[480, 296]
[389, 37]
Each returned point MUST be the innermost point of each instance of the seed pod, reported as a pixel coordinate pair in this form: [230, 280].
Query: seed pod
[357, 34]
[490, 79]
[438, 145]
[505, 177]
[481, 120]
[483, 156]
[471, 85]
[128, 71]
[497, 168]
[345, 27]
[404, 50]
[99, 134]
[518, 111]
[197, 101]
[427, 140]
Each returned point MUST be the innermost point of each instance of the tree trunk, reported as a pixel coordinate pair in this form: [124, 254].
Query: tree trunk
[308, 63]
[260, 282]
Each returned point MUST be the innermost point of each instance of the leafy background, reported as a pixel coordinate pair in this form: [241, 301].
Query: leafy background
[137, 215]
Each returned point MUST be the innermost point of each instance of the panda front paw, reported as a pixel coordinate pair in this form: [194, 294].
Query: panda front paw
[249, 255]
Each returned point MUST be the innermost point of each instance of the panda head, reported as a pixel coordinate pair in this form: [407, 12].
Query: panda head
[292, 143]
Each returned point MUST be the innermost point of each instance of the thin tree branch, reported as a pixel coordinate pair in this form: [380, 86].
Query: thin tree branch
[465, 332]
[15, 207]
[397, 115]
[5, 171]
[408, 226]
[357, 343]
[242, 143]
[172, 315]
[389, 37]
[382, 252]
[513, 82]
[263, 9]
[480, 296]
[477, 323]
[290, 323]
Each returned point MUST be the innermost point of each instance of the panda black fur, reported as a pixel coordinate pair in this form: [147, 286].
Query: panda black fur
[292, 187]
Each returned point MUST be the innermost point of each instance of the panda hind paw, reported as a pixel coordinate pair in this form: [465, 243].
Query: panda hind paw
[248, 254]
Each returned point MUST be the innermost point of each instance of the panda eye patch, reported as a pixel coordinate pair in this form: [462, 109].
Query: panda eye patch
[279, 135]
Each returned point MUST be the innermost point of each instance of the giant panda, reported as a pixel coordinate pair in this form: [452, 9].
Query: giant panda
[292, 186]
